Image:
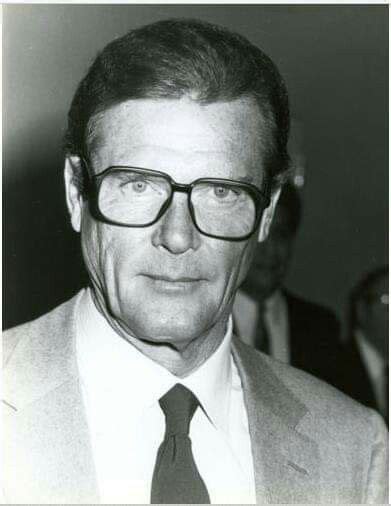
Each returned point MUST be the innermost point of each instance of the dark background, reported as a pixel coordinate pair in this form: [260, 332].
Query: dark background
[335, 62]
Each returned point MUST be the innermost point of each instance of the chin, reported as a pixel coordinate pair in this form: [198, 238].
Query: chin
[156, 325]
[158, 314]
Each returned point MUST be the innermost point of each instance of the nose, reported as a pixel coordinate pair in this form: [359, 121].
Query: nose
[175, 231]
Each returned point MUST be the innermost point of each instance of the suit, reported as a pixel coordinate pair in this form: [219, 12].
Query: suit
[311, 333]
[310, 443]
[315, 340]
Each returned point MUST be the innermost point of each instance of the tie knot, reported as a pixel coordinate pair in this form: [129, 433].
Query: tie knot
[178, 405]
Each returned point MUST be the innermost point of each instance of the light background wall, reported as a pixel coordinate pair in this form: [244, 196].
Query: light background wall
[335, 62]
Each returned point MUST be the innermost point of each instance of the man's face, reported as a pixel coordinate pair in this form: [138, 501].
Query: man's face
[167, 282]
[271, 258]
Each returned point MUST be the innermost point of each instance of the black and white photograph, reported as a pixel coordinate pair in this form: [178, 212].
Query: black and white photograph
[195, 253]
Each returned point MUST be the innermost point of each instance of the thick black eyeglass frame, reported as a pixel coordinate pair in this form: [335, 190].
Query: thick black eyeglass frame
[261, 197]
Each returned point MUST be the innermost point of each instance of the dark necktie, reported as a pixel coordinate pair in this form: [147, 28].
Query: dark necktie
[176, 478]
[262, 340]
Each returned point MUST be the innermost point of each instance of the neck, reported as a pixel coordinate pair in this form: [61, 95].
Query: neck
[180, 359]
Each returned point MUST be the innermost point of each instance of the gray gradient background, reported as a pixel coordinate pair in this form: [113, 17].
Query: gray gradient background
[335, 62]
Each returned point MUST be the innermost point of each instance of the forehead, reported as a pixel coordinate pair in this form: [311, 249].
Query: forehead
[222, 139]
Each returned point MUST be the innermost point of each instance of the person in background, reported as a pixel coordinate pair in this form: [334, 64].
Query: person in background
[273, 320]
[366, 373]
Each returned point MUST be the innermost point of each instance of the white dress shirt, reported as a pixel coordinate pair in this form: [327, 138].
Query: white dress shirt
[375, 365]
[121, 388]
[245, 313]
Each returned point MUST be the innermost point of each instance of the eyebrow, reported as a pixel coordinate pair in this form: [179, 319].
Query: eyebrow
[246, 179]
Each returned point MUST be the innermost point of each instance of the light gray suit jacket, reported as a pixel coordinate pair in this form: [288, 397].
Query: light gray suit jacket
[310, 443]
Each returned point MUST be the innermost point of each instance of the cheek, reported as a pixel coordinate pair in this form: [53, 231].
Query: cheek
[236, 261]
[104, 249]
[90, 242]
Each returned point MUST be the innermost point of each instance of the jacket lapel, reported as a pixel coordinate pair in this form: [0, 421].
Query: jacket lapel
[47, 436]
[286, 461]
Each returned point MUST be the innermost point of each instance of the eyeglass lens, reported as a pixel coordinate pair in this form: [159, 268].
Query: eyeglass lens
[136, 198]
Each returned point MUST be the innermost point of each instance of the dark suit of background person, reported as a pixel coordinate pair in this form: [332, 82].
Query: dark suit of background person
[366, 370]
[301, 333]
[135, 390]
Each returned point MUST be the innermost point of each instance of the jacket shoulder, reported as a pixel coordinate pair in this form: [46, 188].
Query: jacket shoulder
[347, 441]
[37, 329]
[342, 428]
[39, 355]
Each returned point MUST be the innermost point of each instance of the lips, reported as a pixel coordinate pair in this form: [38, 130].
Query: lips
[173, 279]
[170, 285]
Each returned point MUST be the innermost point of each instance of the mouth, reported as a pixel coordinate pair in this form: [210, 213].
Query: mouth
[173, 284]
[176, 279]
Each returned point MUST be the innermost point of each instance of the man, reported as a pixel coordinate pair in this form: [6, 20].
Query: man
[135, 390]
[366, 371]
[290, 329]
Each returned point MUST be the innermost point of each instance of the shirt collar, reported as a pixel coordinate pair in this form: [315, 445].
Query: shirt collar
[211, 382]
[112, 368]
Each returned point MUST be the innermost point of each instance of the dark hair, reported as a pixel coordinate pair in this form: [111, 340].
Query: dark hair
[179, 57]
[290, 203]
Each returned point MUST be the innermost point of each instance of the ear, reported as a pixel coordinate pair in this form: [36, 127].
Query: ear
[268, 214]
[74, 198]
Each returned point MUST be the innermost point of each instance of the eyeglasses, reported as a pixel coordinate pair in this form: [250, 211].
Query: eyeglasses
[136, 197]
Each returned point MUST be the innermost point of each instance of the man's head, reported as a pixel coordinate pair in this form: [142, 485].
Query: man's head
[369, 307]
[272, 255]
[193, 101]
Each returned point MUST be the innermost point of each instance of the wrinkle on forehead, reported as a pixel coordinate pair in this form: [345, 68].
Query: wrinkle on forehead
[238, 116]
[244, 133]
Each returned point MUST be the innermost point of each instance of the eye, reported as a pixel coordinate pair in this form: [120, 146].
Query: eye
[221, 192]
[225, 193]
[134, 183]
[139, 186]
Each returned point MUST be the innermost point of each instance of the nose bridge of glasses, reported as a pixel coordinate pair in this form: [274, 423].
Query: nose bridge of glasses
[177, 230]
[177, 212]
[173, 202]
[180, 187]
